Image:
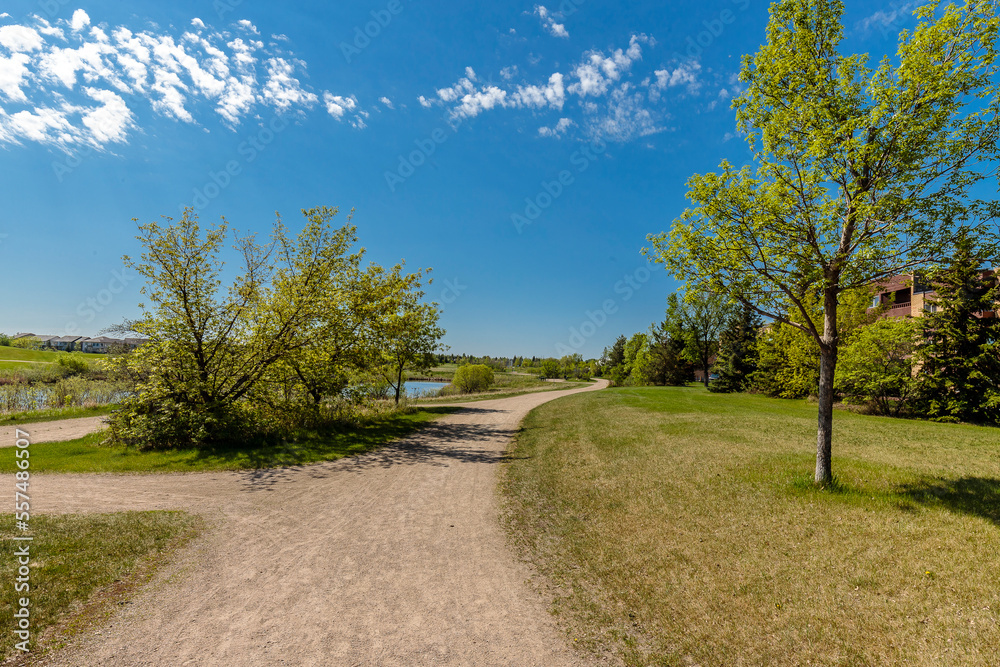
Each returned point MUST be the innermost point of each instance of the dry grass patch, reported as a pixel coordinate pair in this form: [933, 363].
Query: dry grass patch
[681, 527]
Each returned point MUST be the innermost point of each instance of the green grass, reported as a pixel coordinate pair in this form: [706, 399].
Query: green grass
[680, 527]
[89, 455]
[54, 414]
[80, 563]
[41, 356]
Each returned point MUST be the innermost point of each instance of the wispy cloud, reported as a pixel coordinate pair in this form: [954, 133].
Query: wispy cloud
[614, 102]
[549, 22]
[888, 20]
[74, 83]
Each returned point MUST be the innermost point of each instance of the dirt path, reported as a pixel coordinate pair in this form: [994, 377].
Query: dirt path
[391, 558]
[54, 431]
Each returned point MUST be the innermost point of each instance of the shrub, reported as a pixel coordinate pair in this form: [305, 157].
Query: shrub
[876, 368]
[473, 378]
[550, 369]
[73, 365]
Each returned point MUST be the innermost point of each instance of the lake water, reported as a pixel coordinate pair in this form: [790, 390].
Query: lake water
[417, 388]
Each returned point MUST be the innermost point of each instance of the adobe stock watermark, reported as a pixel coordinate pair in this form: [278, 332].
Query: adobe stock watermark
[89, 308]
[22, 518]
[408, 163]
[52, 7]
[73, 160]
[888, 20]
[248, 150]
[363, 35]
[452, 291]
[594, 320]
[714, 29]
[552, 190]
[223, 7]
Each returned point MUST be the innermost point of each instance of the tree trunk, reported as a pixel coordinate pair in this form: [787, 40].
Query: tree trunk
[827, 368]
[706, 369]
[399, 384]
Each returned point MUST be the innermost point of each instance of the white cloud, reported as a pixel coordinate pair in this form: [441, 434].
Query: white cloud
[20, 39]
[79, 21]
[337, 106]
[476, 102]
[549, 22]
[682, 74]
[69, 85]
[244, 23]
[600, 83]
[387, 102]
[109, 122]
[558, 129]
[13, 71]
[553, 94]
[283, 90]
[890, 19]
[625, 116]
[598, 72]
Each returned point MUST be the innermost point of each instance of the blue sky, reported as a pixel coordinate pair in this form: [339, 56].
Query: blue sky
[522, 150]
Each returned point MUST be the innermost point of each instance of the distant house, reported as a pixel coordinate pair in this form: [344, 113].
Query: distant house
[100, 345]
[40, 340]
[132, 343]
[910, 295]
[64, 343]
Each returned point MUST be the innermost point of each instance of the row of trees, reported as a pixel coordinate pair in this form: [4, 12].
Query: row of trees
[299, 332]
[943, 366]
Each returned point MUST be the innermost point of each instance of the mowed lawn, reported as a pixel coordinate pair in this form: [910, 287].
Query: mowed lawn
[681, 527]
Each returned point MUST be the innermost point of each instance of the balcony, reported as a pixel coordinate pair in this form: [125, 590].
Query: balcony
[898, 310]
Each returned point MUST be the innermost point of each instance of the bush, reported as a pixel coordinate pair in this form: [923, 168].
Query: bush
[473, 378]
[74, 365]
[876, 368]
[550, 369]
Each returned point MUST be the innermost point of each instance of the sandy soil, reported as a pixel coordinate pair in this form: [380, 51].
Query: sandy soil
[392, 558]
[55, 431]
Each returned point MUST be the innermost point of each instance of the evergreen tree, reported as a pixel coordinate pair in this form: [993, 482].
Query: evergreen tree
[670, 362]
[616, 357]
[959, 349]
[737, 357]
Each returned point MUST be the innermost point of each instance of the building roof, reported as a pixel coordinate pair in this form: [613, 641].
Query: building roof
[65, 339]
[101, 339]
[896, 283]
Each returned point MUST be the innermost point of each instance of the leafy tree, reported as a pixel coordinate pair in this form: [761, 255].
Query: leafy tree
[550, 369]
[861, 174]
[473, 378]
[876, 367]
[701, 316]
[959, 351]
[788, 358]
[636, 362]
[787, 363]
[408, 334]
[210, 347]
[737, 357]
